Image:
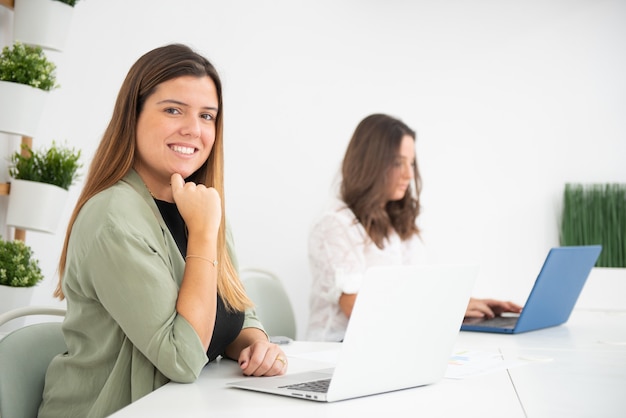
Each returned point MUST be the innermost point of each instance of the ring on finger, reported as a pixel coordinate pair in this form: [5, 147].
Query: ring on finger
[282, 360]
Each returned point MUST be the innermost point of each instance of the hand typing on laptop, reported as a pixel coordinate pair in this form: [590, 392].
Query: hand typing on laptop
[553, 296]
[489, 308]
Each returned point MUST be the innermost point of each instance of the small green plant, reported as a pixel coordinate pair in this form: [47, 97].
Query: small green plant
[56, 165]
[25, 64]
[596, 214]
[69, 2]
[18, 268]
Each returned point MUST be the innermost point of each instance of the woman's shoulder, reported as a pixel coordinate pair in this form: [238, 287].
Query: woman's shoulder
[119, 197]
[117, 206]
[337, 222]
[337, 212]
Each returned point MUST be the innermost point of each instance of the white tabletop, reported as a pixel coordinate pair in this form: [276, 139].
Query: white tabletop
[574, 370]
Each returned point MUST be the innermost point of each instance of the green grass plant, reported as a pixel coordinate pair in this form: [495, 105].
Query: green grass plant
[596, 214]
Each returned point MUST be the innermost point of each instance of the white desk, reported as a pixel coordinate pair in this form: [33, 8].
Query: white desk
[578, 370]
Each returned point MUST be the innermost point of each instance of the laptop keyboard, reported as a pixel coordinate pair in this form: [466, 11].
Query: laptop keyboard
[319, 386]
[499, 322]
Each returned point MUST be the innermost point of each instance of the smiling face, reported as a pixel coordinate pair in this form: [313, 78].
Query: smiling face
[402, 170]
[175, 131]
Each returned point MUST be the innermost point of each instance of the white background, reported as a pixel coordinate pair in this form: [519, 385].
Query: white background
[510, 100]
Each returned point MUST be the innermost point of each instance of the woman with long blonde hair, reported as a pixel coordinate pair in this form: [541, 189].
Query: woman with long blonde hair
[147, 268]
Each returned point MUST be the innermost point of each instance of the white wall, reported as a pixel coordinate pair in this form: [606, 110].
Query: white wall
[510, 100]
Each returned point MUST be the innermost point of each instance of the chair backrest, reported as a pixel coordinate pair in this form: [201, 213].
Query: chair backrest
[271, 301]
[25, 355]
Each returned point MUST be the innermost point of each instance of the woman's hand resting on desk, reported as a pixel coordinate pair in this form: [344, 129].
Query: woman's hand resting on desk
[488, 308]
[263, 358]
[256, 355]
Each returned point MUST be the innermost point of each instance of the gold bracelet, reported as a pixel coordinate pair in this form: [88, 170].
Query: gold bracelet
[214, 262]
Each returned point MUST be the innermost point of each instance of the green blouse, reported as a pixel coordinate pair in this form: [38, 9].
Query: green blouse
[124, 336]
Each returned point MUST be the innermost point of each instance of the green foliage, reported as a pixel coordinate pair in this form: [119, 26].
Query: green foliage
[18, 268]
[56, 165]
[596, 214]
[69, 2]
[25, 64]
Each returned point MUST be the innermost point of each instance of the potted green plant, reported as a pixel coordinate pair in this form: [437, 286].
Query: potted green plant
[57, 165]
[41, 179]
[18, 267]
[596, 214]
[26, 77]
[43, 22]
[19, 273]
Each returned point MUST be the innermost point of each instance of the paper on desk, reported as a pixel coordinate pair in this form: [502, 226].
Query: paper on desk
[468, 363]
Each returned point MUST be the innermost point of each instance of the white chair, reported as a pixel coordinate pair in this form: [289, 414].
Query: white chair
[25, 354]
[271, 301]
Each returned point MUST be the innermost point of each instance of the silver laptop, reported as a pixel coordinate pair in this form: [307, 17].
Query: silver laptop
[553, 296]
[401, 335]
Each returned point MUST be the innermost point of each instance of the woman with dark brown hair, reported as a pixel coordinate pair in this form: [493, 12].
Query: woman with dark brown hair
[373, 223]
[147, 267]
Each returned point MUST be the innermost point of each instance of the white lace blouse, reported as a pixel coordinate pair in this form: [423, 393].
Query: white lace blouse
[339, 253]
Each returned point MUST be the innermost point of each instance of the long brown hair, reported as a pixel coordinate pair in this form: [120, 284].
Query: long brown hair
[116, 153]
[365, 176]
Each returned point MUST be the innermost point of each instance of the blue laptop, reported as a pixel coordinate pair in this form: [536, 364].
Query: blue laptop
[553, 296]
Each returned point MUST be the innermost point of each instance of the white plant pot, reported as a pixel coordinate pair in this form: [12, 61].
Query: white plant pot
[13, 298]
[22, 108]
[42, 22]
[35, 206]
